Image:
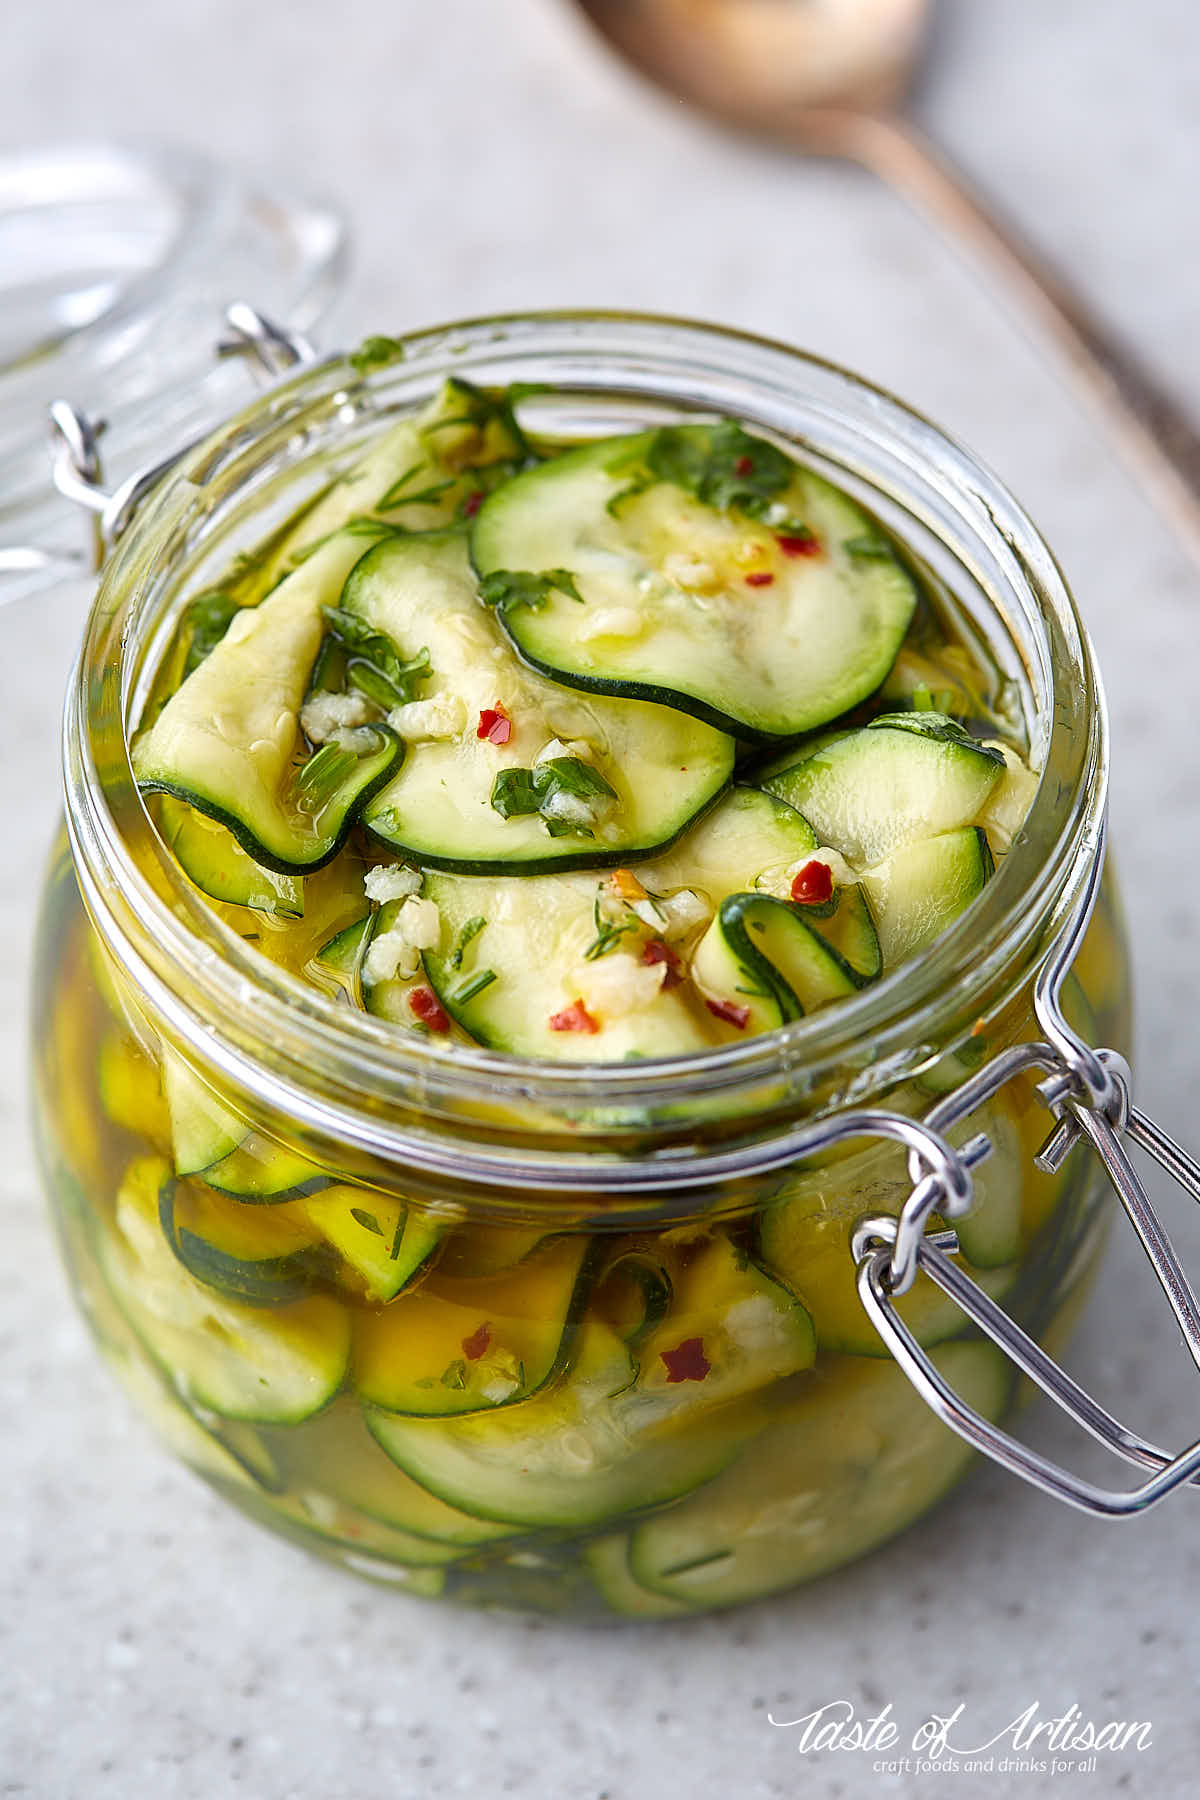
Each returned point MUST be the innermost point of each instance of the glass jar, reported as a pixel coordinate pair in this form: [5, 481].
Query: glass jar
[507, 1335]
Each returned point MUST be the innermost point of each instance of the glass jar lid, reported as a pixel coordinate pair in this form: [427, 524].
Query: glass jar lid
[116, 266]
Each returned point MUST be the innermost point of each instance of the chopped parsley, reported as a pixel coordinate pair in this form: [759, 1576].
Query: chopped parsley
[209, 618]
[506, 588]
[373, 663]
[519, 791]
[470, 930]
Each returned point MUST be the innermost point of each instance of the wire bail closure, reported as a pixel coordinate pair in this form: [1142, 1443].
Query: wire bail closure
[1087, 1091]
[75, 439]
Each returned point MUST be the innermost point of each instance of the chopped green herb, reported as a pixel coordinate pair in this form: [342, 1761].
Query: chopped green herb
[513, 793]
[567, 774]
[868, 547]
[473, 985]
[365, 645]
[470, 930]
[455, 1375]
[323, 774]
[367, 1220]
[398, 1235]
[209, 617]
[520, 791]
[376, 353]
[396, 497]
[609, 932]
[724, 467]
[506, 588]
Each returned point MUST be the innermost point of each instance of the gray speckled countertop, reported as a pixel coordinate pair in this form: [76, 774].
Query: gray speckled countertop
[151, 1643]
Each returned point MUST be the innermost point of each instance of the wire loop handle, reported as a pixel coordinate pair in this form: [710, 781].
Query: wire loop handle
[1087, 1091]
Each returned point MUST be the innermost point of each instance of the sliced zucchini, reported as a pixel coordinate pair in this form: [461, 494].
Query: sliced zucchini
[130, 1089]
[765, 965]
[649, 1409]
[223, 1451]
[902, 777]
[210, 855]
[749, 839]
[535, 940]
[853, 1459]
[384, 1240]
[227, 740]
[607, 1560]
[445, 808]
[255, 1255]
[342, 956]
[921, 889]
[277, 1366]
[212, 1140]
[338, 1451]
[564, 1457]
[682, 593]
[456, 1347]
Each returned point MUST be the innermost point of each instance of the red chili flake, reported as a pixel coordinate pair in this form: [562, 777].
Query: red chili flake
[475, 1345]
[655, 951]
[575, 1017]
[495, 726]
[687, 1362]
[472, 504]
[800, 546]
[730, 1011]
[813, 884]
[760, 578]
[744, 465]
[424, 1004]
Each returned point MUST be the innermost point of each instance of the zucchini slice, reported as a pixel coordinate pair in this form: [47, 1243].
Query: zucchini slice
[902, 777]
[270, 1366]
[920, 890]
[210, 855]
[607, 1561]
[257, 1256]
[563, 1457]
[763, 963]
[456, 1347]
[384, 1240]
[354, 1471]
[534, 944]
[853, 1459]
[444, 808]
[681, 591]
[227, 740]
[213, 1141]
[648, 1410]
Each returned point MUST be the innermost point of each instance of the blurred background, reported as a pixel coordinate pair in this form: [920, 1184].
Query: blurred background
[490, 157]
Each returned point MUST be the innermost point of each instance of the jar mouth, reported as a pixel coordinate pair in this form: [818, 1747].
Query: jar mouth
[279, 1036]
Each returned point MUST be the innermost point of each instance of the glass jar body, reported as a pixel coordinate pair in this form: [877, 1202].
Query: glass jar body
[806, 1456]
[340, 1278]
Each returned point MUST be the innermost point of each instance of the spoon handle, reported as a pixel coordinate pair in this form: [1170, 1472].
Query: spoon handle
[1160, 439]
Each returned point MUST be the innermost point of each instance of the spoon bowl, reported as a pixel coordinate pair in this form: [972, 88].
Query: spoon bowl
[827, 77]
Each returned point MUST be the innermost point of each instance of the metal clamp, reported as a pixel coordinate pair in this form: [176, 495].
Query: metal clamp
[77, 468]
[1087, 1091]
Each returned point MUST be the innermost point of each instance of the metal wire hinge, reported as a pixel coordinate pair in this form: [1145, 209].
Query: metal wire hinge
[1088, 1092]
[75, 447]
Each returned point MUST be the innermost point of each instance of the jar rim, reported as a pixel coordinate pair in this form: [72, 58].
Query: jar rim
[299, 1038]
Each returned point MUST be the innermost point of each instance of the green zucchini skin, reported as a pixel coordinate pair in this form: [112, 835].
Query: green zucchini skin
[439, 807]
[764, 662]
[221, 866]
[762, 954]
[905, 776]
[257, 1281]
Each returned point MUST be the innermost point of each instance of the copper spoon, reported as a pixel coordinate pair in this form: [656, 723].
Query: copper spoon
[827, 77]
